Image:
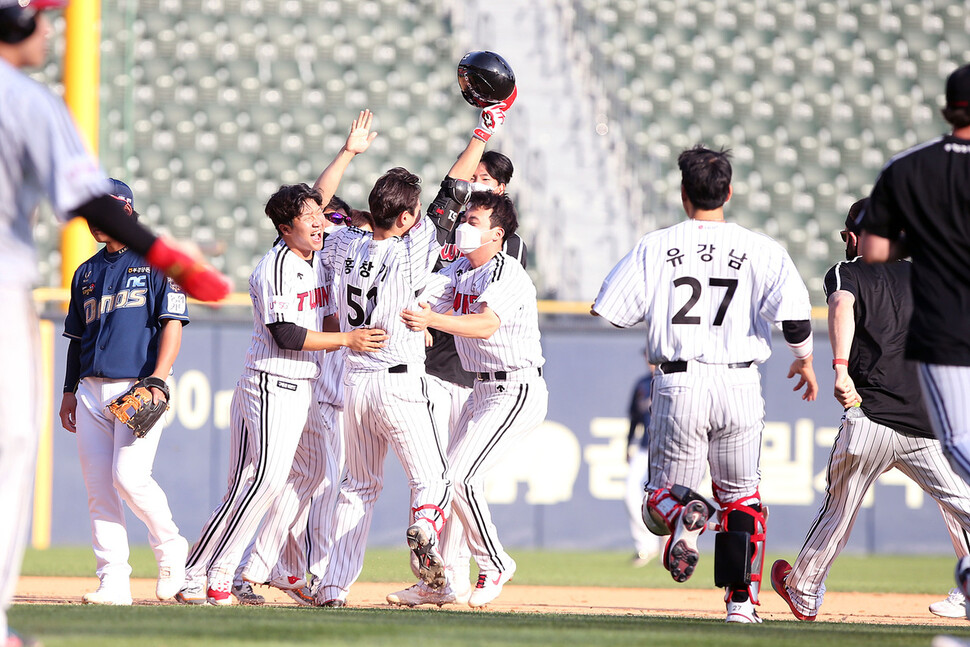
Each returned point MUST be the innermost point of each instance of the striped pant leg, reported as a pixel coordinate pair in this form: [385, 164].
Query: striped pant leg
[412, 432]
[498, 416]
[20, 391]
[862, 451]
[365, 450]
[923, 460]
[323, 504]
[946, 390]
[738, 412]
[268, 417]
[679, 426]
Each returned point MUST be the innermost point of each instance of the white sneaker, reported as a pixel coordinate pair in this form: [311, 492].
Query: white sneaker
[245, 595]
[286, 582]
[420, 594]
[171, 571]
[681, 555]
[489, 586]
[741, 610]
[192, 593]
[954, 606]
[421, 541]
[462, 589]
[108, 593]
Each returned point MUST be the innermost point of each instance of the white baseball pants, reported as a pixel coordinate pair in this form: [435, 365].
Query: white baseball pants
[946, 391]
[496, 417]
[117, 467]
[862, 451]
[267, 415]
[384, 409]
[646, 543]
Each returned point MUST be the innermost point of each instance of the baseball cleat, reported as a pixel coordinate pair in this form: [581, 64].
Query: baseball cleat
[336, 603]
[219, 594]
[286, 582]
[171, 571]
[741, 609]
[109, 595]
[245, 595]
[953, 606]
[431, 568]
[779, 573]
[489, 586]
[681, 555]
[421, 593]
[191, 594]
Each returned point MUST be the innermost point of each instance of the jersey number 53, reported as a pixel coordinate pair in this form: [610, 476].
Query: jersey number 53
[683, 317]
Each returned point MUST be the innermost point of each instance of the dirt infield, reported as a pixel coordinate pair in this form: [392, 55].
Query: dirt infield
[879, 608]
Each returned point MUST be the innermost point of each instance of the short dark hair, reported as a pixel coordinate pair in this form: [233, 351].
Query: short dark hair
[287, 203]
[337, 204]
[498, 166]
[396, 191]
[956, 117]
[503, 211]
[358, 218]
[706, 176]
[853, 221]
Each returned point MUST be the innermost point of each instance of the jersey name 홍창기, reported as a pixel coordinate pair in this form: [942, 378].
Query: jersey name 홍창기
[118, 304]
[708, 291]
[286, 288]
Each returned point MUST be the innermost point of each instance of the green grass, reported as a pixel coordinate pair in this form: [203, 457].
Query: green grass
[891, 574]
[178, 626]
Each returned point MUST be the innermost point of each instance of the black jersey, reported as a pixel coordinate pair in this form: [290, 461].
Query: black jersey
[887, 382]
[925, 192]
[441, 358]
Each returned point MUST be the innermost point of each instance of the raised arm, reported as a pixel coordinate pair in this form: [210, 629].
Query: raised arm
[358, 140]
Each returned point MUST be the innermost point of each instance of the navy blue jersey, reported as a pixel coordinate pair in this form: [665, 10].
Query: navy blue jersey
[118, 305]
[640, 404]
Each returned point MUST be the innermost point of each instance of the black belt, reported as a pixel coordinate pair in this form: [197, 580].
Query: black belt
[500, 375]
[681, 366]
[400, 368]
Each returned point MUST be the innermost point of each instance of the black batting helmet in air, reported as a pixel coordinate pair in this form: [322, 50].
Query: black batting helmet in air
[485, 78]
[18, 18]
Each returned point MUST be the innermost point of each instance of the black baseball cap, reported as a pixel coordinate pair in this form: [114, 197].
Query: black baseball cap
[853, 221]
[958, 88]
[121, 191]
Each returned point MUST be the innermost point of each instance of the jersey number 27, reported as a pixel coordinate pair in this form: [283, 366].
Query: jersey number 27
[682, 316]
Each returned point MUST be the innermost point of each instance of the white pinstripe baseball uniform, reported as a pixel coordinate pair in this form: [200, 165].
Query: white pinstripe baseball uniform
[268, 413]
[709, 293]
[41, 154]
[890, 428]
[509, 398]
[386, 392]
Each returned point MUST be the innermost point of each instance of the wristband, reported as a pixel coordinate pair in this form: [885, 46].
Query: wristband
[840, 362]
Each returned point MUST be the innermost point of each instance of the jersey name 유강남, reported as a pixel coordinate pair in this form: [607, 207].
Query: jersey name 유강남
[503, 285]
[41, 154]
[118, 305]
[374, 280]
[286, 288]
[708, 291]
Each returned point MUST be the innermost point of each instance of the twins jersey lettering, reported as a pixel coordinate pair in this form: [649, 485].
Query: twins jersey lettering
[286, 288]
[118, 304]
[708, 291]
[503, 285]
[41, 154]
[374, 280]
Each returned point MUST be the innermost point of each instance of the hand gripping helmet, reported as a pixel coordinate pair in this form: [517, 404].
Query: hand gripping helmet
[485, 78]
[18, 18]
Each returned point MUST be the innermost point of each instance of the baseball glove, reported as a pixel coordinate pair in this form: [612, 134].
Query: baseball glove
[135, 407]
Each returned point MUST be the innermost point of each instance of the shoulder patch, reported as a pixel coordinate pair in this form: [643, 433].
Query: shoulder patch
[176, 303]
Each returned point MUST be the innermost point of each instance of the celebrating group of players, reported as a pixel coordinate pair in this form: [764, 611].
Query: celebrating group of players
[339, 366]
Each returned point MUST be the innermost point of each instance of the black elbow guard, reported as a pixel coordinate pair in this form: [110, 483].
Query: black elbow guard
[446, 206]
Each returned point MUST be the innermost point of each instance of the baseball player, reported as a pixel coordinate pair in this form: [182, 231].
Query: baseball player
[125, 322]
[318, 461]
[885, 424]
[488, 302]
[918, 207]
[710, 291]
[291, 294]
[647, 544]
[41, 154]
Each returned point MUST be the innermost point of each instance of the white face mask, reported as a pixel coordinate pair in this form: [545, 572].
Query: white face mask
[332, 228]
[467, 238]
[478, 186]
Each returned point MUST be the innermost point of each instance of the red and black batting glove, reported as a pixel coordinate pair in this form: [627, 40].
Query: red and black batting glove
[490, 120]
[200, 281]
